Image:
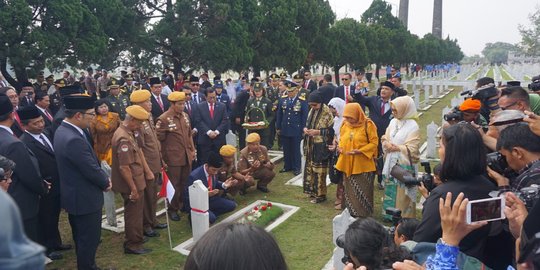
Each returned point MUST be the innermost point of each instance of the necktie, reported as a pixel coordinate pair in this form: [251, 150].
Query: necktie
[212, 111]
[16, 115]
[188, 107]
[160, 103]
[382, 107]
[48, 115]
[306, 84]
[346, 94]
[45, 143]
[210, 184]
[195, 98]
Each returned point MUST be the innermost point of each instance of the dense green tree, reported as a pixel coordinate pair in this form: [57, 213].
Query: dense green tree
[497, 53]
[530, 37]
[380, 13]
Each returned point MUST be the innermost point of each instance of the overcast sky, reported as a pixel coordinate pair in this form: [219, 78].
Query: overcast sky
[472, 22]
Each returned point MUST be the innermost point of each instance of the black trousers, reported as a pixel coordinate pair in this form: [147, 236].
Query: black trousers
[31, 228]
[49, 213]
[86, 231]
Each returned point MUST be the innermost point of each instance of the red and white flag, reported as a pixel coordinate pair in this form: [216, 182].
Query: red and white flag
[167, 189]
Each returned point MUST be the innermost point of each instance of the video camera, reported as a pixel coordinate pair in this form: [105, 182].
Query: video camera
[535, 85]
[483, 93]
[497, 162]
[454, 115]
[426, 179]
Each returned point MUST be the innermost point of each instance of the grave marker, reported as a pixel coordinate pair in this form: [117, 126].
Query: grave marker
[198, 199]
[432, 140]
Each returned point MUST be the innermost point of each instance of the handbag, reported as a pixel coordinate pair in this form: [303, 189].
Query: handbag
[400, 173]
[321, 153]
[335, 175]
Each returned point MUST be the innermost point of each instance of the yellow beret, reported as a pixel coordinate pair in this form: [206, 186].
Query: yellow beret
[253, 137]
[177, 96]
[137, 112]
[139, 96]
[227, 150]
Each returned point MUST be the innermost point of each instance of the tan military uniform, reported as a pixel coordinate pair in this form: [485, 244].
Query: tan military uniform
[126, 152]
[265, 173]
[226, 172]
[174, 133]
[147, 139]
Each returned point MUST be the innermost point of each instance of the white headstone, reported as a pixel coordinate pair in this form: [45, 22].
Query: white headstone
[431, 140]
[340, 224]
[414, 85]
[426, 94]
[417, 98]
[198, 199]
[230, 138]
[108, 198]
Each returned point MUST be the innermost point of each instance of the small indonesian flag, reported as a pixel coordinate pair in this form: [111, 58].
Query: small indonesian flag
[167, 189]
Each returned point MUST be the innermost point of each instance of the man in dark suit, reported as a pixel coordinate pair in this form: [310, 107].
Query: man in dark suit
[26, 95]
[160, 104]
[197, 96]
[345, 91]
[14, 100]
[239, 113]
[27, 185]
[49, 205]
[82, 180]
[380, 112]
[43, 101]
[328, 89]
[212, 125]
[309, 84]
[70, 90]
[207, 173]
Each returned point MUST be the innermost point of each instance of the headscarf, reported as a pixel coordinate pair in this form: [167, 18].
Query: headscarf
[354, 111]
[339, 105]
[405, 107]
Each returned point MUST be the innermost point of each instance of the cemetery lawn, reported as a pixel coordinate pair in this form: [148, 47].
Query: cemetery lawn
[490, 73]
[505, 75]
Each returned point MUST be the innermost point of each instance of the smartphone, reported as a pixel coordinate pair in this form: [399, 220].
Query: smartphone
[485, 210]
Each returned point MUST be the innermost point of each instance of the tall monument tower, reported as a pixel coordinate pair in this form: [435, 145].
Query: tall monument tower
[437, 19]
[404, 12]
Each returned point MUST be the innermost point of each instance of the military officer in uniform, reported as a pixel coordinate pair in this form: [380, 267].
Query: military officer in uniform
[290, 122]
[259, 108]
[303, 92]
[129, 85]
[272, 93]
[173, 129]
[129, 175]
[229, 171]
[283, 76]
[149, 143]
[119, 101]
[222, 96]
[55, 97]
[254, 161]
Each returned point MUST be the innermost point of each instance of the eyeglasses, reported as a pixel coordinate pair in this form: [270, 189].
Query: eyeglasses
[506, 107]
[344, 79]
[194, 84]
[92, 114]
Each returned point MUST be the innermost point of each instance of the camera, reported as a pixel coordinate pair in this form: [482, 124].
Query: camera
[483, 93]
[426, 179]
[497, 162]
[454, 115]
[340, 242]
[529, 195]
[396, 217]
[535, 85]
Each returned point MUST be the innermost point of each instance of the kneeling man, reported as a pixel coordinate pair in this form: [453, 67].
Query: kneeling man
[254, 161]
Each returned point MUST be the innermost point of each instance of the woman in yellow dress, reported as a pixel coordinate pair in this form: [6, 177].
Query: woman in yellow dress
[357, 146]
[102, 129]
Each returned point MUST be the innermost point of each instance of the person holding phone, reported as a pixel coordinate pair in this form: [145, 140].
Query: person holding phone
[463, 159]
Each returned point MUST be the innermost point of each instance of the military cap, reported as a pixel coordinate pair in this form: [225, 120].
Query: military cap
[137, 112]
[227, 150]
[253, 137]
[28, 112]
[176, 96]
[193, 78]
[215, 160]
[154, 81]
[60, 82]
[513, 83]
[113, 83]
[389, 85]
[50, 77]
[5, 105]
[297, 77]
[78, 102]
[139, 96]
[129, 77]
[274, 77]
[290, 85]
[218, 84]
[283, 75]
[70, 90]
[257, 86]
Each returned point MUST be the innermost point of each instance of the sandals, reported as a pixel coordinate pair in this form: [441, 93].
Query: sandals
[318, 200]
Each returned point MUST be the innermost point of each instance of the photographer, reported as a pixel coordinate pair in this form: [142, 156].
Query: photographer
[468, 111]
[436, 181]
[463, 158]
[404, 233]
[521, 150]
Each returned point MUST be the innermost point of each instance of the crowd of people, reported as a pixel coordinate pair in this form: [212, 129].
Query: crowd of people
[65, 144]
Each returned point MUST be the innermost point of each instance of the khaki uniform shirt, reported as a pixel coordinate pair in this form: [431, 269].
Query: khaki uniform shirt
[247, 158]
[174, 133]
[147, 140]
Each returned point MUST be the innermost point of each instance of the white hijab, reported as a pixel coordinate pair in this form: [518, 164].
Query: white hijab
[339, 105]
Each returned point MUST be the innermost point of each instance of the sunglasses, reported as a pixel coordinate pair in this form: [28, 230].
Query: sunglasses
[194, 84]
[344, 79]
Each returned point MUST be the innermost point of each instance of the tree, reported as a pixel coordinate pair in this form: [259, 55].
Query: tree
[497, 52]
[530, 37]
[380, 13]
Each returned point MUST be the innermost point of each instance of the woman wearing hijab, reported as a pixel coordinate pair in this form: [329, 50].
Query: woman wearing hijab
[357, 146]
[337, 105]
[318, 136]
[400, 144]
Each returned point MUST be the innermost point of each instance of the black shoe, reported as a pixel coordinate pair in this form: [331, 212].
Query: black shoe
[55, 255]
[283, 170]
[263, 189]
[150, 233]
[174, 216]
[318, 200]
[137, 252]
[63, 247]
[161, 226]
[296, 173]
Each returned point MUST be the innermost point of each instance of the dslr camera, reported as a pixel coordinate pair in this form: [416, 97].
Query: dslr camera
[454, 115]
[535, 85]
[396, 218]
[426, 179]
[497, 162]
[529, 195]
[483, 93]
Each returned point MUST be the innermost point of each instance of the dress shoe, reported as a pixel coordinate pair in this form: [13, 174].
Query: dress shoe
[283, 170]
[138, 251]
[318, 200]
[150, 233]
[263, 189]
[296, 173]
[55, 255]
[161, 226]
[174, 216]
[63, 247]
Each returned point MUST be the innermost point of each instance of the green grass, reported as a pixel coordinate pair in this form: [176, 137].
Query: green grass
[475, 74]
[490, 73]
[269, 215]
[505, 75]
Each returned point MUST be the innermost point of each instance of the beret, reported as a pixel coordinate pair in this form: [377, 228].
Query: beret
[139, 96]
[176, 96]
[137, 112]
[227, 150]
[253, 137]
